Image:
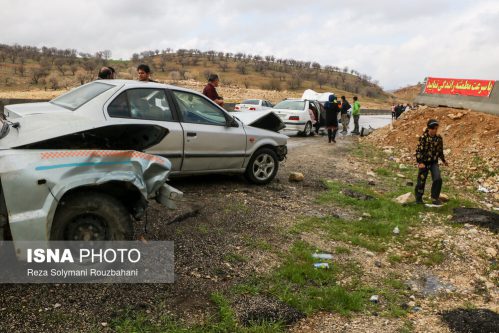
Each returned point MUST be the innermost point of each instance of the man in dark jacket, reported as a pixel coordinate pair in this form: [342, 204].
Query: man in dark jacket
[428, 152]
[332, 110]
[345, 119]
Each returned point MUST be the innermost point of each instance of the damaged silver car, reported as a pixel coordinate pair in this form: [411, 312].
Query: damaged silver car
[61, 179]
[202, 137]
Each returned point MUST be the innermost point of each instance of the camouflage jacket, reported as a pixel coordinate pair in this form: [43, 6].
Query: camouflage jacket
[430, 149]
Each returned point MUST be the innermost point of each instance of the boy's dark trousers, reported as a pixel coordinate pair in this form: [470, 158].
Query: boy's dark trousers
[436, 185]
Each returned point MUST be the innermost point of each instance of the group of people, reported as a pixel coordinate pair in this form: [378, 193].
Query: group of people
[398, 109]
[109, 73]
[334, 107]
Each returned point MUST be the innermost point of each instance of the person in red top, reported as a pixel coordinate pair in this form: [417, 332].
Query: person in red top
[210, 90]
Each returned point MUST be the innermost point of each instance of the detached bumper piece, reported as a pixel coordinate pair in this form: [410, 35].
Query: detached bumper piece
[168, 195]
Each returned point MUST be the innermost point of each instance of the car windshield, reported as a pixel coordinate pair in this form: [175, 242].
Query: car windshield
[251, 101]
[79, 96]
[291, 105]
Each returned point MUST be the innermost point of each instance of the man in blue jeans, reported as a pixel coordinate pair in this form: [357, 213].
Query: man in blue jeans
[429, 151]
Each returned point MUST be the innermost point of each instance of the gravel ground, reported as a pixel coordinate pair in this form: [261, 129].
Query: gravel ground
[221, 216]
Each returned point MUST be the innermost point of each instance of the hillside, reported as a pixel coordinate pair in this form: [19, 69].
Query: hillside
[30, 72]
[407, 94]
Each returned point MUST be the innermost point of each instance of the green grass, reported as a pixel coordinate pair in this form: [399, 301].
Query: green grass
[224, 322]
[308, 289]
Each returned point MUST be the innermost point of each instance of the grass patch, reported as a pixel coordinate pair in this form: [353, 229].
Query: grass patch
[308, 289]
[342, 250]
[225, 321]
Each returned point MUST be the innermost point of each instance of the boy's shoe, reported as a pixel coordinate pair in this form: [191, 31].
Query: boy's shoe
[419, 201]
[437, 202]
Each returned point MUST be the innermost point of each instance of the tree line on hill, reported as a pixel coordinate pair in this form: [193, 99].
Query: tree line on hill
[55, 68]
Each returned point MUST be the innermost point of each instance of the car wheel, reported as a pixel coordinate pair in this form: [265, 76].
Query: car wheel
[262, 166]
[91, 216]
[307, 130]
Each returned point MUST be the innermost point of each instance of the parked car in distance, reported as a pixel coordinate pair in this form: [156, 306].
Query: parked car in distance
[295, 115]
[202, 137]
[253, 105]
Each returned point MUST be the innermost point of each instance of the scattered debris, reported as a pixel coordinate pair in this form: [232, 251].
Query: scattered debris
[321, 265]
[400, 175]
[357, 195]
[471, 320]
[409, 183]
[477, 216]
[483, 189]
[374, 299]
[103, 324]
[296, 177]
[455, 116]
[378, 264]
[396, 230]
[57, 305]
[323, 256]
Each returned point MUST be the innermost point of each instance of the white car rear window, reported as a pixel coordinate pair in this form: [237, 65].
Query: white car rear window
[79, 96]
[251, 102]
[291, 105]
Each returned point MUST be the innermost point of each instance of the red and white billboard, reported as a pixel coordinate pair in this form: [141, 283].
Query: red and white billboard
[464, 87]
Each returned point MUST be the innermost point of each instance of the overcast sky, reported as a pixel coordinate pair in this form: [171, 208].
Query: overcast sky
[396, 42]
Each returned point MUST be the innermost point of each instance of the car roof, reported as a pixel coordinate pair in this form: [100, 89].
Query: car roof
[143, 84]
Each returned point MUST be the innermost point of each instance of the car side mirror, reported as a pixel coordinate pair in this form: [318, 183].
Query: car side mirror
[231, 122]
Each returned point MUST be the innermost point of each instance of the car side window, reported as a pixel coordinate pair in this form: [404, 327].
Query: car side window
[196, 109]
[149, 104]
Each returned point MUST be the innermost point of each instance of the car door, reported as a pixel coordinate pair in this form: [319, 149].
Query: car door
[151, 106]
[209, 144]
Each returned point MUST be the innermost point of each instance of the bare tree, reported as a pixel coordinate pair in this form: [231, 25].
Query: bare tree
[223, 66]
[73, 68]
[21, 69]
[60, 64]
[241, 68]
[37, 74]
[322, 80]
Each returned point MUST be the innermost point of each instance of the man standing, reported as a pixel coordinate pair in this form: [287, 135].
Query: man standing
[429, 151]
[356, 115]
[210, 90]
[345, 121]
[332, 109]
[144, 73]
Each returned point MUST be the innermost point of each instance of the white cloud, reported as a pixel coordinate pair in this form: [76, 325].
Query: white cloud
[396, 42]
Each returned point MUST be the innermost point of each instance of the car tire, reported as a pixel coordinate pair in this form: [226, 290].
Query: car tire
[91, 215]
[307, 131]
[262, 167]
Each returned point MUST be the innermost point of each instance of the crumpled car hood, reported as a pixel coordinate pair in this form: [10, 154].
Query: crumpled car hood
[266, 119]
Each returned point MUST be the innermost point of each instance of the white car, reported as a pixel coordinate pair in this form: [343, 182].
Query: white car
[296, 116]
[195, 134]
[253, 105]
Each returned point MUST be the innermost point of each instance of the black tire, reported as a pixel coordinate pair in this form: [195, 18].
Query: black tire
[307, 131]
[262, 166]
[91, 215]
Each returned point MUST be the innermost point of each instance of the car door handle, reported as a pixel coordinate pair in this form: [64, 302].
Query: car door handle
[191, 134]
